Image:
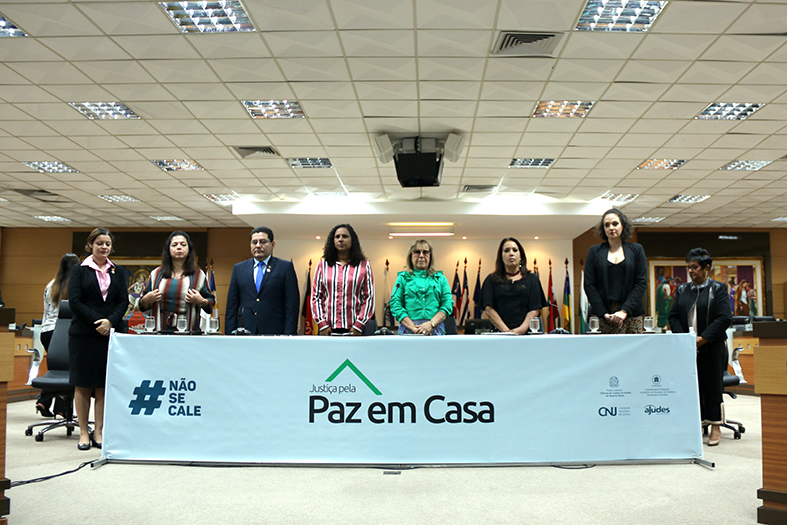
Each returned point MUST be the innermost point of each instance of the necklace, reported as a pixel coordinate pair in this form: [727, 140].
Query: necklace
[514, 274]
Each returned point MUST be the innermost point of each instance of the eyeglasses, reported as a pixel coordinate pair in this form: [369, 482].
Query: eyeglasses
[421, 252]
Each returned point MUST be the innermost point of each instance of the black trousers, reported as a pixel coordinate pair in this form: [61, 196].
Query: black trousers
[711, 364]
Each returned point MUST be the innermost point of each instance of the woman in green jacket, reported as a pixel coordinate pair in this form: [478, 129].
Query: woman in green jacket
[421, 298]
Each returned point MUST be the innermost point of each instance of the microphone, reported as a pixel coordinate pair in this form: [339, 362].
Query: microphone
[241, 329]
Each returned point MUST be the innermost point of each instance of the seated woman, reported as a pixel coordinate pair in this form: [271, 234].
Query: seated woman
[342, 296]
[421, 298]
[512, 294]
[616, 276]
[703, 305]
[177, 286]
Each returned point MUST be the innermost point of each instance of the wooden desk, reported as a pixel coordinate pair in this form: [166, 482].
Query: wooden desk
[746, 357]
[6, 374]
[770, 363]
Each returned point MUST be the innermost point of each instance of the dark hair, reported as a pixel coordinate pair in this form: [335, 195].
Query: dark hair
[262, 229]
[430, 270]
[94, 234]
[59, 290]
[331, 255]
[189, 265]
[499, 274]
[625, 234]
[700, 255]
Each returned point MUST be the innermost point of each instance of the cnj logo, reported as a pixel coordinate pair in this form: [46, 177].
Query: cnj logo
[147, 398]
[608, 411]
[652, 409]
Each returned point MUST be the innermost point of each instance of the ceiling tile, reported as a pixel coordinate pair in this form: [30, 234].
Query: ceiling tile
[230, 45]
[129, 18]
[385, 69]
[361, 14]
[450, 68]
[446, 43]
[383, 90]
[536, 15]
[273, 15]
[50, 19]
[304, 43]
[312, 69]
[698, 17]
[157, 46]
[378, 43]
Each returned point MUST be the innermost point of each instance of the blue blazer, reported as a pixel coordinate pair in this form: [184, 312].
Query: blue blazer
[274, 310]
[596, 279]
[88, 305]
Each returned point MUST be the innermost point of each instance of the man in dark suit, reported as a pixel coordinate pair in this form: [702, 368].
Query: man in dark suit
[263, 296]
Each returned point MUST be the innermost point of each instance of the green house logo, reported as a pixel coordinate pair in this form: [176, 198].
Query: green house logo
[348, 364]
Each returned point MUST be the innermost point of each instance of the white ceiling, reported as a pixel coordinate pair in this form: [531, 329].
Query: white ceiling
[360, 68]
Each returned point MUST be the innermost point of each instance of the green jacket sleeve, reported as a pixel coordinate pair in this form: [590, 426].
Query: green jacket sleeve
[397, 298]
[446, 300]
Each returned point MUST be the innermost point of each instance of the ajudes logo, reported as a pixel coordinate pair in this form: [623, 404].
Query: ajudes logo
[435, 409]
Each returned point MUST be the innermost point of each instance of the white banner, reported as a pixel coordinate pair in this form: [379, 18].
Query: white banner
[402, 400]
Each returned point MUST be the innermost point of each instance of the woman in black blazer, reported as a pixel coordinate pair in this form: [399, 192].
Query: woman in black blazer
[703, 305]
[98, 298]
[616, 276]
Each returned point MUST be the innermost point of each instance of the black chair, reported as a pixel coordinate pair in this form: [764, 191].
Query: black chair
[370, 328]
[730, 381]
[56, 378]
[450, 326]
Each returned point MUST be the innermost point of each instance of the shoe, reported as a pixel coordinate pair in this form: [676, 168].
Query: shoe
[43, 410]
[715, 435]
[95, 443]
[83, 446]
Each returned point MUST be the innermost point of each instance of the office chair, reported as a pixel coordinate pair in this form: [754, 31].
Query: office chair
[370, 328]
[56, 378]
[730, 381]
[450, 326]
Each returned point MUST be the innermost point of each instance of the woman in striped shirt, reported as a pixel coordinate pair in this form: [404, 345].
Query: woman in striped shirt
[342, 296]
[178, 286]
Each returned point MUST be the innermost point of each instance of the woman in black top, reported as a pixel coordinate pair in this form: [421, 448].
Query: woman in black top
[703, 304]
[512, 294]
[616, 276]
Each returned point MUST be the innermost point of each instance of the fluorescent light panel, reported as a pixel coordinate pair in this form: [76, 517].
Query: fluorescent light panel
[421, 234]
[688, 199]
[8, 28]
[222, 16]
[166, 218]
[177, 165]
[619, 197]
[421, 224]
[273, 108]
[104, 110]
[632, 16]
[222, 198]
[329, 194]
[647, 220]
[746, 165]
[531, 163]
[661, 164]
[52, 218]
[779, 219]
[728, 111]
[310, 162]
[50, 167]
[118, 198]
[562, 109]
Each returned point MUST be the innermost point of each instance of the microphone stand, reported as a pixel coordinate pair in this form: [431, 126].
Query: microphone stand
[241, 329]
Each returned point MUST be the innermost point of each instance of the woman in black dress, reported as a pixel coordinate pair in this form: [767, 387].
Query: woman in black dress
[616, 276]
[98, 299]
[703, 304]
[512, 294]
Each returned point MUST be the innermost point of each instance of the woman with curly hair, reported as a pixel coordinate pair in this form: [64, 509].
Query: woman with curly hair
[342, 297]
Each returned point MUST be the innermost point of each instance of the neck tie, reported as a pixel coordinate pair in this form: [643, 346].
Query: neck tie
[260, 273]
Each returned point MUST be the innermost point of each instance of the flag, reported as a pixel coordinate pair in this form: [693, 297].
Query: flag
[456, 292]
[477, 294]
[210, 283]
[388, 318]
[567, 302]
[584, 306]
[553, 319]
[309, 326]
[465, 301]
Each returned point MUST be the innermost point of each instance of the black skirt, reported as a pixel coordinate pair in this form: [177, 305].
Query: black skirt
[88, 356]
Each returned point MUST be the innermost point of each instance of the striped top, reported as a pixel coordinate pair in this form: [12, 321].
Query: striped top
[173, 298]
[342, 295]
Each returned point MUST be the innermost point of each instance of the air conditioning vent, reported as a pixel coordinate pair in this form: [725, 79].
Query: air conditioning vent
[526, 44]
[253, 152]
[479, 188]
[43, 195]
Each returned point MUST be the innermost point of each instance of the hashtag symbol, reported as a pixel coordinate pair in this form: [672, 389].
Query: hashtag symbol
[147, 397]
